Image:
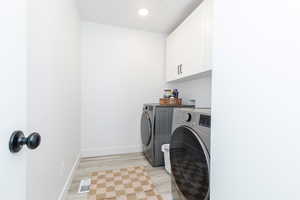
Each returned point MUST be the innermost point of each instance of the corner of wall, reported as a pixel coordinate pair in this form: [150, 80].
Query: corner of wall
[68, 182]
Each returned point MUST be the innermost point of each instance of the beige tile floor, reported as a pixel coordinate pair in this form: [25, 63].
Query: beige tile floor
[88, 165]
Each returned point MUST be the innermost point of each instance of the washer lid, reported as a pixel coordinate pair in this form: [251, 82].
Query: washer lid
[190, 164]
[146, 128]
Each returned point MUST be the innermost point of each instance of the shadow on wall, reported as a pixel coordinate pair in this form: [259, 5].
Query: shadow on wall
[198, 89]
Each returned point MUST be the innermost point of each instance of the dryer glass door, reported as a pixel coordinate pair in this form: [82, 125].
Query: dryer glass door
[146, 128]
[190, 164]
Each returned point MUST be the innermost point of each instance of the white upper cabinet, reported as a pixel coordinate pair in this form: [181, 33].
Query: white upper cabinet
[189, 46]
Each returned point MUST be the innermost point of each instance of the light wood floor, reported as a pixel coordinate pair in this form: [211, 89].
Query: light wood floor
[88, 165]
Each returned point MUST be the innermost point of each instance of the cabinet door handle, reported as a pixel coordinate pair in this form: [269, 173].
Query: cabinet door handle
[180, 67]
[178, 71]
[18, 139]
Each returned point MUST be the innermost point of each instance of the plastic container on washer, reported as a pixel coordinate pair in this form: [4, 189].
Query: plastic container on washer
[166, 149]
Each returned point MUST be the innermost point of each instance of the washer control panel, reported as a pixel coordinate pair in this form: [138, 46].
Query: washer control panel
[205, 121]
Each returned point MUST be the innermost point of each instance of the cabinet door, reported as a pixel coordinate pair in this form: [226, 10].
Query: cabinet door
[189, 46]
[197, 29]
[171, 72]
[173, 57]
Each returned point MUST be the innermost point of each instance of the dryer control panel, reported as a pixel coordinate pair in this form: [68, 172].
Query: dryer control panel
[205, 121]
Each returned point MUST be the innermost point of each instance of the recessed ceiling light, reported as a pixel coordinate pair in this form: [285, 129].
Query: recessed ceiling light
[143, 12]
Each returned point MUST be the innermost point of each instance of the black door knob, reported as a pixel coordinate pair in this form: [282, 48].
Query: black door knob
[18, 139]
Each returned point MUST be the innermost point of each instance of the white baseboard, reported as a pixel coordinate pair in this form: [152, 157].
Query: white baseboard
[69, 179]
[110, 151]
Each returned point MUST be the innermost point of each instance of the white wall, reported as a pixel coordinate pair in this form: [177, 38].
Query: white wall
[255, 131]
[122, 70]
[53, 95]
[198, 89]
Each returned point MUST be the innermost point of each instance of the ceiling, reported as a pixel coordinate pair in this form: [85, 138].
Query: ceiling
[164, 15]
